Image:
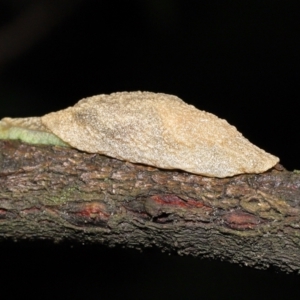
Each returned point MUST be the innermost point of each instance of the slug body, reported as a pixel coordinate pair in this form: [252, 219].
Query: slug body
[153, 129]
[29, 130]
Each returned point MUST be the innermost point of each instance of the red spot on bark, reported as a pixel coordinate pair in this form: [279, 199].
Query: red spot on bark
[241, 220]
[32, 210]
[176, 201]
[91, 213]
[93, 210]
[2, 213]
[164, 208]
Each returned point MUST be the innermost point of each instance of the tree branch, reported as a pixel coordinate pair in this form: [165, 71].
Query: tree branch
[54, 193]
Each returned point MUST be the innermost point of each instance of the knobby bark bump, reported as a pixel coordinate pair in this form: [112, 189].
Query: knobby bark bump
[58, 193]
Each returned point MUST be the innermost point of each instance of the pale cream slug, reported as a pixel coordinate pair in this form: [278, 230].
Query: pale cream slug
[149, 128]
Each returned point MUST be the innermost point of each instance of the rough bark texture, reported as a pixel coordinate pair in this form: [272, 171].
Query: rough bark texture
[62, 194]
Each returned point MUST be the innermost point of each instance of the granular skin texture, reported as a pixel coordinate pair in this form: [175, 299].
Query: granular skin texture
[32, 123]
[159, 130]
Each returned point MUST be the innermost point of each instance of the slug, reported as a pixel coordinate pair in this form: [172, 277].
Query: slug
[154, 129]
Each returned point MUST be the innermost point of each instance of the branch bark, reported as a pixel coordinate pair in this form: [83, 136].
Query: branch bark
[60, 194]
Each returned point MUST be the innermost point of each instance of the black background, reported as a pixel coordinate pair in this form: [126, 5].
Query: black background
[236, 59]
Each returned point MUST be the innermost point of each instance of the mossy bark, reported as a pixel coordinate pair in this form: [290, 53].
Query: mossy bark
[57, 193]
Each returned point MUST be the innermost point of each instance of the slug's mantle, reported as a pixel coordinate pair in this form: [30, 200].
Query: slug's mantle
[150, 128]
